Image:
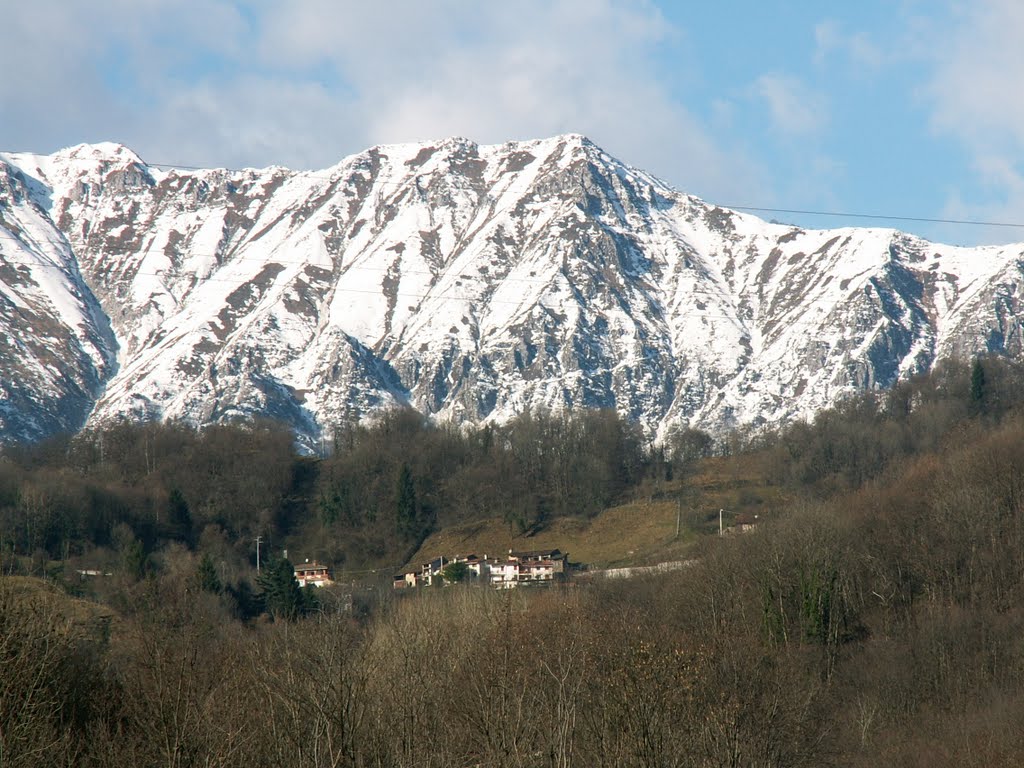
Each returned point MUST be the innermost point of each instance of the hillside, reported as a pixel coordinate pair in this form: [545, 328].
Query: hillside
[872, 618]
[642, 532]
[22, 591]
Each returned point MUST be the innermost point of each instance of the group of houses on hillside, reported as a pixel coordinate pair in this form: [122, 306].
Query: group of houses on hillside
[536, 568]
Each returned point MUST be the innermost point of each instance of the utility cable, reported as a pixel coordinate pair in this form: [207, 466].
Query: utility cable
[333, 175]
[882, 216]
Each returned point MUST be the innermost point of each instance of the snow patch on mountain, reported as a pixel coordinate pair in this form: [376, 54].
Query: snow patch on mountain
[470, 282]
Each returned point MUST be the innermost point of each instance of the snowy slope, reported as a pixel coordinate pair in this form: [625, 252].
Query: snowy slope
[56, 345]
[472, 282]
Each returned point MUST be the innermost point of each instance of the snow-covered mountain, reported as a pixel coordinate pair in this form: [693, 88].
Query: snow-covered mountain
[472, 282]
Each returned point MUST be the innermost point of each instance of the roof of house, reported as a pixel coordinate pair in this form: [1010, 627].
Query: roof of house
[313, 567]
[546, 554]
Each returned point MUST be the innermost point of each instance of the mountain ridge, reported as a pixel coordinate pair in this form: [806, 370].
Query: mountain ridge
[469, 281]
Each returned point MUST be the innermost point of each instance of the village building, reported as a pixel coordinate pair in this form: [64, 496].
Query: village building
[503, 575]
[538, 566]
[543, 566]
[313, 574]
[410, 577]
[744, 522]
[475, 565]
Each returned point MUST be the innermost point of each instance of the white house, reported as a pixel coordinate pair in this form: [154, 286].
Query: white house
[503, 575]
[313, 574]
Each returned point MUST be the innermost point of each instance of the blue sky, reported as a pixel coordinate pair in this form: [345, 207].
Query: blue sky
[906, 107]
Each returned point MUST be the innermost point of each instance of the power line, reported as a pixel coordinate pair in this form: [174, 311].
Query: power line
[343, 289]
[435, 296]
[237, 258]
[243, 257]
[758, 209]
[443, 296]
[431, 296]
[333, 175]
[268, 261]
[885, 217]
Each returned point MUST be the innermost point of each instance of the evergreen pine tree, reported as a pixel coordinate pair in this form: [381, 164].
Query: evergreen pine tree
[978, 389]
[179, 517]
[280, 592]
[406, 511]
[134, 560]
[206, 575]
[454, 573]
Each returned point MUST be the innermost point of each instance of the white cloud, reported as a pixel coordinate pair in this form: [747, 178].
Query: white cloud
[70, 63]
[978, 71]
[497, 71]
[256, 121]
[831, 38]
[974, 97]
[794, 109]
[306, 82]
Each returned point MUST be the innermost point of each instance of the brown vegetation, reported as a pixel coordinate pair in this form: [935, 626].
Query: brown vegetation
[875, 620]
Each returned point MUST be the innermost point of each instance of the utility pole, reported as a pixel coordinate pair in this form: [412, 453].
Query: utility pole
[721, 531]
[258, 540]
[679, 516]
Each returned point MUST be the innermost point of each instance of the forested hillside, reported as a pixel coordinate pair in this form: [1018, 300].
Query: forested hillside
[874, 618]
[367, 504]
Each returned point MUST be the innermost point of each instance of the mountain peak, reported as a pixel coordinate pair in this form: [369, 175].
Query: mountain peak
[471, 282]
[576, 140]
[104, 151]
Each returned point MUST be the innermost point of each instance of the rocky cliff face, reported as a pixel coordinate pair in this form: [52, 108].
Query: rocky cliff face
[57, 349]
[471, 282]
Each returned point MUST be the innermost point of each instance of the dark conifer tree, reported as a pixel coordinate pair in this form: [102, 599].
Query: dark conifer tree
[179, 517]
[280, 592]
[978, 388]
[206, 575]
[406, 509]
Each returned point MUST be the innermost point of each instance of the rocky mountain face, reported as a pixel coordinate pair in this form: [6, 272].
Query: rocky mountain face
[470, 282]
